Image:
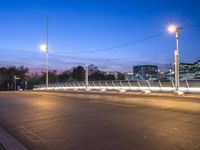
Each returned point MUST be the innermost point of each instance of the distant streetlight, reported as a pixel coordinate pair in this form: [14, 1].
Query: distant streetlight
[175, 29]
[45, 48]
[172, 28]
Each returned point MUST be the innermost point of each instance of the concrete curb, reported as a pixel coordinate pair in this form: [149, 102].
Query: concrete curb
[9, 142]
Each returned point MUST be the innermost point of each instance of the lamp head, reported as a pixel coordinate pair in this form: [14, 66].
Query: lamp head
[44, 47]
[172, 28]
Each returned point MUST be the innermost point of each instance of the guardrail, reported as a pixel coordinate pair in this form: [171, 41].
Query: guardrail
[186, 86]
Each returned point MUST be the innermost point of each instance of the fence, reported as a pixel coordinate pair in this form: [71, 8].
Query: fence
[186, 86]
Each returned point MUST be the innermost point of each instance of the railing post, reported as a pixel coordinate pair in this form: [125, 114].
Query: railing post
[86, 77]
[187, 84]
[129, 84]
[94, 84]
[121, 84]
[74, 84]
[70, 85]
[138, 84]
[113, 84]
[149, 84]
[160, 84]
[173, 84]
[106, 84]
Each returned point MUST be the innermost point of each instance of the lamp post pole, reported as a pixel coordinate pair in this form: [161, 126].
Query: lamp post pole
[47, 73]
[47, 55]
[45, 48]
[176, 30]
[86, 77]
[176, 56]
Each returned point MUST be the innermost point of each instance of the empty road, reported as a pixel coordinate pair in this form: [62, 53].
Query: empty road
[66, 121]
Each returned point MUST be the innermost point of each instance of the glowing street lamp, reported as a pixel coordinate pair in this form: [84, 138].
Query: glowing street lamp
[44, 48]
[175, 29]
[172, 28]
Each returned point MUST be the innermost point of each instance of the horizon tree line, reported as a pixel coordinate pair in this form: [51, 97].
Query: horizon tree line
[26, 80]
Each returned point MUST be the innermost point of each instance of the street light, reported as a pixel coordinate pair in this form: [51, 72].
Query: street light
[172, 28]
[44, 48]
[175, 29]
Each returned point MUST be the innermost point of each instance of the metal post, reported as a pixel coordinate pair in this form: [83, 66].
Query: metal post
[187, 84]
[160, 84]
[94, 84]
[176, 55]
[8, 86]
[47, 51]
[113, 84]
[121, 84]
[15, 83]
[26, 85]
[86, 76]
[47, 76]
[129, 84]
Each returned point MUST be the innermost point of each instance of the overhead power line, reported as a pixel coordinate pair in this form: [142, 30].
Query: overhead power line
[97, 50]
[191, 27]
[117, 46]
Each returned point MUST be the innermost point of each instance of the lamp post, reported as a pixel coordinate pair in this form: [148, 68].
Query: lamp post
[86, 77]
[45, 48]
[15, 81]
[176, 30]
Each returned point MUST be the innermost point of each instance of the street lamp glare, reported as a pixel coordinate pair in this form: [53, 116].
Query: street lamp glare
[172, 28]
[43, 47]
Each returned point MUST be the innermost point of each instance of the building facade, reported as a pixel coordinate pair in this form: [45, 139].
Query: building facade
[187, 71]
[129, 76]
[145, 72]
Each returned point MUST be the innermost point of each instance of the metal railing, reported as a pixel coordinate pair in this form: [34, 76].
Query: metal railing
[186, 86]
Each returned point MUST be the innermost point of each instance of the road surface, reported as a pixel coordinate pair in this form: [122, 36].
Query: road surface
[50, 121]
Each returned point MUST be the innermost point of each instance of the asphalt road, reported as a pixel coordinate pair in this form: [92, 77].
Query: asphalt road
[45, 121]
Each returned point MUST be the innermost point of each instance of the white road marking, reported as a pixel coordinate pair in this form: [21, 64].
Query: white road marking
[109, 103]
[9, 142]
[29, 135]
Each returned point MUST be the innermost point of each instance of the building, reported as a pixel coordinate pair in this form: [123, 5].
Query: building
[187, 71]
[186, 68]
[145, 72]
[197, 69]
[161, 75]
[115, 74]
[129, 76]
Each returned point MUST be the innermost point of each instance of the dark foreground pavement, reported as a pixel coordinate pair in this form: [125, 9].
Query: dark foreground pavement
[44, 121]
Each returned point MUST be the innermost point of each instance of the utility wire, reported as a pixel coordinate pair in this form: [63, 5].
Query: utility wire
[99, 50]
[110, 48]
[190, 27]
[117, 46]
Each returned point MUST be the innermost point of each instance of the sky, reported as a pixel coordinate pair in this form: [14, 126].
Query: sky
[90, 31]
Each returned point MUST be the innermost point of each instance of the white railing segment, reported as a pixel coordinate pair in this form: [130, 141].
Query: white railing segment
[186, 86]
